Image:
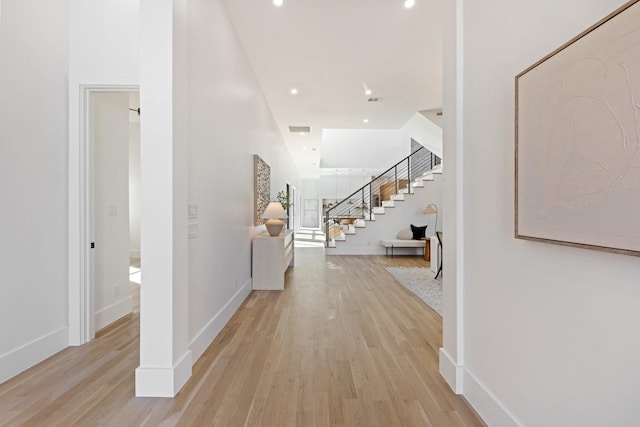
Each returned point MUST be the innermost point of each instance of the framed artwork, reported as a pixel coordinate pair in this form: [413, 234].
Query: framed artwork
[578, 140]
[262, 188]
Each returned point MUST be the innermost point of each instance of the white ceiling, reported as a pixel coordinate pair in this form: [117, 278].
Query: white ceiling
[330, 50]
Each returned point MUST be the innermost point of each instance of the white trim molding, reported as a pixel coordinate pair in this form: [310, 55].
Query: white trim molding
[113, 312]
[81, 313]
[451, 372]
[206, 335]
[31, 353]
[486, 404]
[164, 381]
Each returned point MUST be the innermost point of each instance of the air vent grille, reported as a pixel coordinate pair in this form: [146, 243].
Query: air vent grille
[375, 99]
[300, 129]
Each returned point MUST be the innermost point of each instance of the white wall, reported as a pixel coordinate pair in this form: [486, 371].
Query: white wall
[363, 148]
[41, 43]
[229, 121]
[341, 185]
[104, 38]
[550, 332]
[310, 189]
[425, 132]
[33, 176]
[110, 132]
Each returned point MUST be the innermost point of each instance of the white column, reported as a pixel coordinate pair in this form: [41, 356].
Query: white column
[452, 352]
[165, 359]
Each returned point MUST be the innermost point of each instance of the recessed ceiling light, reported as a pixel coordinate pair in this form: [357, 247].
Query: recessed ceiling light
[294, 91]
[408, 3]
[279, 2]
[367, 92]
[366, 120]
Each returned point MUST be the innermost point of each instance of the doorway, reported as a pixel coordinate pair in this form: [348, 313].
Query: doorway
[114, 204]
[84, 301]
[310, 215]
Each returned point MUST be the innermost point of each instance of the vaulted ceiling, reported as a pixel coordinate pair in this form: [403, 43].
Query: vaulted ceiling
[331, 51]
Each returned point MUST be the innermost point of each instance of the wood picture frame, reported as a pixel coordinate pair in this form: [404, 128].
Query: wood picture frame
[577, 142]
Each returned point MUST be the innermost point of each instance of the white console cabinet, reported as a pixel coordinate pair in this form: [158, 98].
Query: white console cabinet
[271, 258]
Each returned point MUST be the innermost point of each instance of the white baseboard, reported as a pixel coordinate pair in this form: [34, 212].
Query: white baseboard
[31, 353]
[164, 382]
[452, 373]
[207, 334]
[113, 312]
[486, 404]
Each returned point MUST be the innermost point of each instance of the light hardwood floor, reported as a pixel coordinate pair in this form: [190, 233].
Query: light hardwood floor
[343, 345]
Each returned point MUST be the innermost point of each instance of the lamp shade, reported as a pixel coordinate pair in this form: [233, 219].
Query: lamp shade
[431, 209]
[274, 210]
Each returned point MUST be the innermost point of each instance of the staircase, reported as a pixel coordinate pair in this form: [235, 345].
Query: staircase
[378, 198]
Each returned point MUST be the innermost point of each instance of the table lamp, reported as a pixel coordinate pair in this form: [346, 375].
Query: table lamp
[274, 215]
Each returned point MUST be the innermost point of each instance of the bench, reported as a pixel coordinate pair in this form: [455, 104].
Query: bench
[401, 243]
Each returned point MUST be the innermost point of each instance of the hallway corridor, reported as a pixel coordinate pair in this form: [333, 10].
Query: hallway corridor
[343, 345]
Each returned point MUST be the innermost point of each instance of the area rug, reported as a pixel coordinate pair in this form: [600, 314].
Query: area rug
[420, 281]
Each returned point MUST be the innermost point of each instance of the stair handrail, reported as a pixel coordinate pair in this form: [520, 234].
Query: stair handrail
[434, 160]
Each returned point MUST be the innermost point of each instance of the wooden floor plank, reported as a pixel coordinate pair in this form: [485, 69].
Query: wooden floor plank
[344, 344]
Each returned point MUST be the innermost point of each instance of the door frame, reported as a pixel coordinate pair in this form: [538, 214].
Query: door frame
[80, 269]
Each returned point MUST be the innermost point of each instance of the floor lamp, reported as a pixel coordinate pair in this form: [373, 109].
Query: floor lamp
[432, 209]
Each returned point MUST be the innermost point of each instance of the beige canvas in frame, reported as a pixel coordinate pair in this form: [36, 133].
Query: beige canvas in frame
[578, 140]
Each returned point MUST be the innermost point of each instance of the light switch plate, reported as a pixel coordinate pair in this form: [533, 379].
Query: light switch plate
[192, 210]
[193, 231]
